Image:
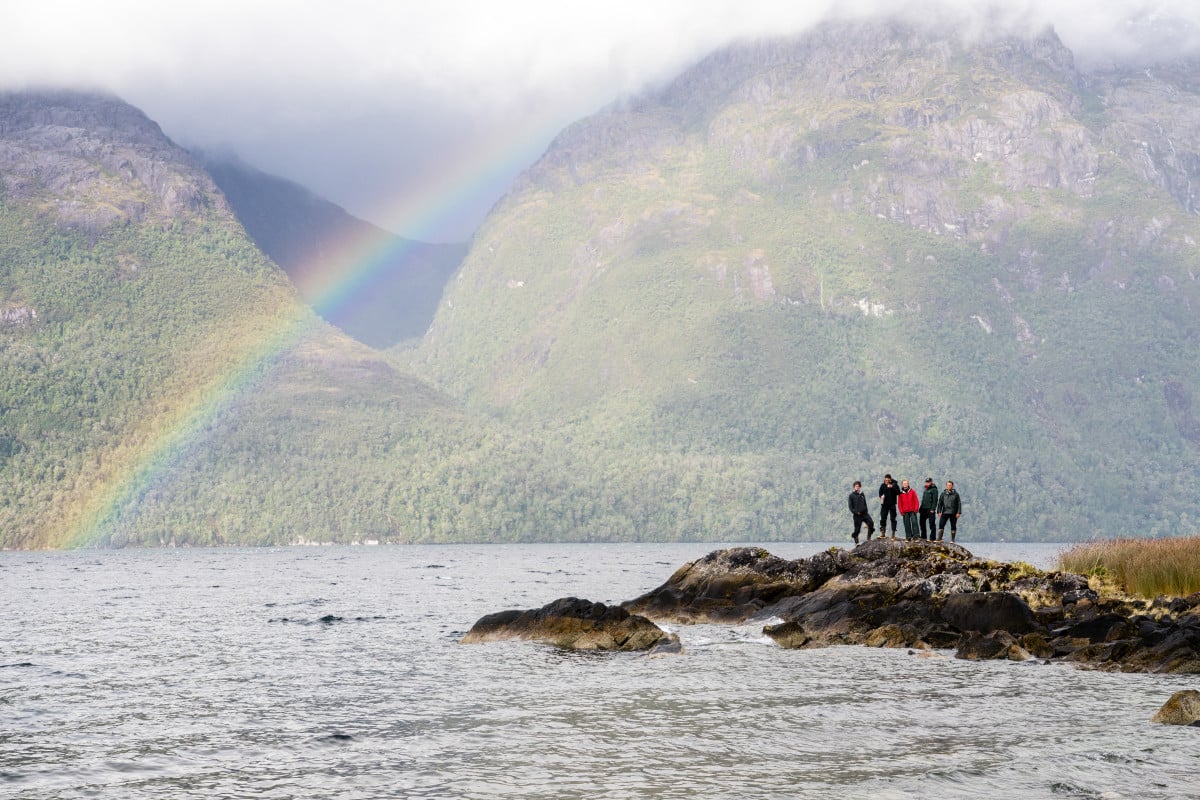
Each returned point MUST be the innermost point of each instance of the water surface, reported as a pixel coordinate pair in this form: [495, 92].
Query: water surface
[336, 673]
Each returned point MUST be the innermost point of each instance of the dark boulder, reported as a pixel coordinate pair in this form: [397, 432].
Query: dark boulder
[837, 613]
[734, 585]
[1178, 652]
[571, 623]
[999, 644]
[985, 612]
[1108, 627]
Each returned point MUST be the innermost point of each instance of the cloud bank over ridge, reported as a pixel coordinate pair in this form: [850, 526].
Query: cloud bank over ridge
[416, 116]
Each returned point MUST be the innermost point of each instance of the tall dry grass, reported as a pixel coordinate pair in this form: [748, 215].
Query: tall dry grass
[1146, 567]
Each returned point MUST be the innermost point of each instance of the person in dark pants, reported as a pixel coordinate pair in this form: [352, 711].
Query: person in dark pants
[889, 491]
[929, 502]
[949, 508]
[858, 510]
[908, 503]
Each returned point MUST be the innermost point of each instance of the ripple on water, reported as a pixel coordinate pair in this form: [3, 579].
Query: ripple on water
[186, 689]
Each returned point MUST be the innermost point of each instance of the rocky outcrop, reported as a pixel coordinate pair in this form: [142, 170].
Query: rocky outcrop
[1182, 709]
[884, 593]
[888, 593]
[574, 624]
[17, 315]
[93, 161]
[734, 585]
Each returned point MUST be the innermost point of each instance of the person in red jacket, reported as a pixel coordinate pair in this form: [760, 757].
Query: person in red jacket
[908, 504]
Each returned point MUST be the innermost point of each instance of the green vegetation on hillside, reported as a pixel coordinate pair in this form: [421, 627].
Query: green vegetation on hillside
[699, 316]
[932, 267]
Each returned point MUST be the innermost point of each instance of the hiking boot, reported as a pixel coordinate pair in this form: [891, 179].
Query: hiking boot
[854, 536]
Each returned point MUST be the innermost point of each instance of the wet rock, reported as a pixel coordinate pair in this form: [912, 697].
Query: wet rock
[1064, 646]
[890, 635]
[985, 612]
[667, 646]
[890, 593]
[733, 585]
[788, 635]
[976, 646]
[1107, 627]
[1150, 631]
[1036, 645]
[848, 611]
[1177, 653]
[1182, 709]
[571, 623]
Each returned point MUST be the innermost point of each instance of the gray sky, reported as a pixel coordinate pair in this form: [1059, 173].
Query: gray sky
[416, 115]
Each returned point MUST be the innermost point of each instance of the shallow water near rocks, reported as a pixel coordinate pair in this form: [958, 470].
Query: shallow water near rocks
[336, 673]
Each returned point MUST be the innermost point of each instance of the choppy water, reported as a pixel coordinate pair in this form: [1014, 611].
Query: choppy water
[335, 673]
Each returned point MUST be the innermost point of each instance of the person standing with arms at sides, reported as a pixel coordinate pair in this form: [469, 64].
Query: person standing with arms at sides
[858, 510]
[888, 492]
[929, 502]
[949, 508]
[908, 503]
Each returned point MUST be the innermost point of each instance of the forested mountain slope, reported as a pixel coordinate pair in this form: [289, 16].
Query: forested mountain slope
[160, 380]
[873, 248]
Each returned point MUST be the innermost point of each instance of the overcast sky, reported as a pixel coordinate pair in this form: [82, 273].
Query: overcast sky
[416, 115]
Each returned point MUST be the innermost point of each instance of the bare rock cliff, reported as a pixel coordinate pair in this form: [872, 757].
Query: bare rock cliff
[93, 161]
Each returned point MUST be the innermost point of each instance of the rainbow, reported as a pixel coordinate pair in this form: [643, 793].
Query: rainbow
[347, 268]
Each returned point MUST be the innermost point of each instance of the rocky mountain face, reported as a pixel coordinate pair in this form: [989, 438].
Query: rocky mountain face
[877, 247]
[302, 232]
[91, 162]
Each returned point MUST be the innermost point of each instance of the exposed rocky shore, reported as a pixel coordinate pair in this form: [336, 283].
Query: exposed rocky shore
[885, 593]
[574, 624]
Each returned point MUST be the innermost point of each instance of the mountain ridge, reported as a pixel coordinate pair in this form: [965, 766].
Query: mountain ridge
[778, 277]
[675, 326]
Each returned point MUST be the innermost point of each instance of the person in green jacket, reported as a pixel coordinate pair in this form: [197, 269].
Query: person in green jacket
[949, 508]
[929, 501]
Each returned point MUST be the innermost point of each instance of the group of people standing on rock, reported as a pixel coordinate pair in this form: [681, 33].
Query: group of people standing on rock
[916, 511]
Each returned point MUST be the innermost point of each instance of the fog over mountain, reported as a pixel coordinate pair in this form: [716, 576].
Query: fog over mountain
[416, 117]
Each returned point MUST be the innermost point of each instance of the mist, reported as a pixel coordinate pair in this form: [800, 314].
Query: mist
[417, 117]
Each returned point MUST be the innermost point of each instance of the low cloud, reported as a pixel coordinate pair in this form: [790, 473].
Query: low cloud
[366, 102]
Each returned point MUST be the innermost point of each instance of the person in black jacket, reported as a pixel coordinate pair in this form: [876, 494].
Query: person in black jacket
[858, 510]
[929, 502]
[949, 508]
[889, 492]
